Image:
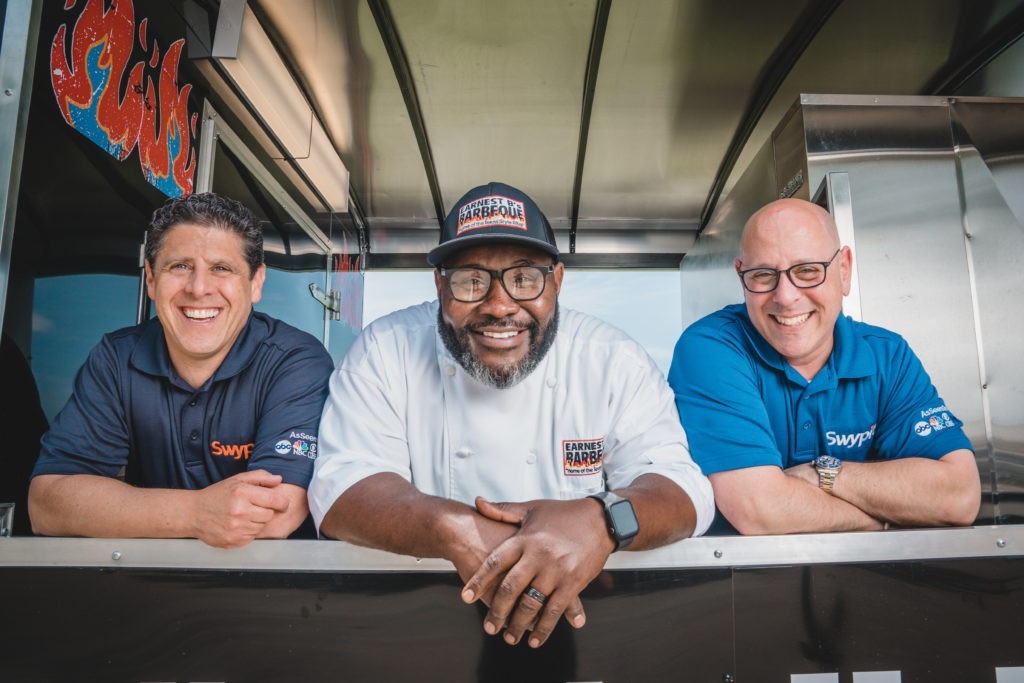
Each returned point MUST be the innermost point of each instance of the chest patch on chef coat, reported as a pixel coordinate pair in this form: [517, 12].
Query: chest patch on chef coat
[582, 456]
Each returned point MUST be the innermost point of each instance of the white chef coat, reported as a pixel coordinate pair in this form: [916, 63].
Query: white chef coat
[594, 414]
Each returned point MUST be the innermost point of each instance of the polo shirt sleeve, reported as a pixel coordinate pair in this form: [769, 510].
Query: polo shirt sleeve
[915, 421]
[287, 432]
[362, 430]
[90, 433]
[646, 437]
[718, 397]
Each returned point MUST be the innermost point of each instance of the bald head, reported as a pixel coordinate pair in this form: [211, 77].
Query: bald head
[783, 219]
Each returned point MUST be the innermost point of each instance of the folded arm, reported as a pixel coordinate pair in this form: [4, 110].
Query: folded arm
[387, 512]
[918, 492]
[227, 514]
[764, 500]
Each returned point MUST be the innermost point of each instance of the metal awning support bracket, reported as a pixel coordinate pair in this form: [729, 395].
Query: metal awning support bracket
[331, 301]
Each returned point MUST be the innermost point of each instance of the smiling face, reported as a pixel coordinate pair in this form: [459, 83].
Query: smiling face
[203, 293]
[499, 340]
[798, 323]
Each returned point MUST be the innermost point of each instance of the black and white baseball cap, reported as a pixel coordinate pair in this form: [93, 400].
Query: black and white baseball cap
[490, 214]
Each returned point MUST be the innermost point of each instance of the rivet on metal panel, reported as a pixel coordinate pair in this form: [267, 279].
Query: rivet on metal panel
[718, 553]
[1001, 542]
[116, 555]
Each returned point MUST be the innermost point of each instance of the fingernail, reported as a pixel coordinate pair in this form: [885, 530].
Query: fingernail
[578, 621]
[510, 639]
[467, 595]
[490, 628]
[534, 642]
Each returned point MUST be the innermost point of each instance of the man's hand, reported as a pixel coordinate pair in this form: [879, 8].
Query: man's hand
[236, 510]
[560, 548]
[805, 471]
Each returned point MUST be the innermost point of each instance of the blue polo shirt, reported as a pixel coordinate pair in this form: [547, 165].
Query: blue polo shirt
[742, 405]
[129, 408]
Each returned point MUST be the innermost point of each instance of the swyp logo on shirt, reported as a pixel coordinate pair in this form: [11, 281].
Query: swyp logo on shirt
[581, 457]
[850, 440]
[235, 451]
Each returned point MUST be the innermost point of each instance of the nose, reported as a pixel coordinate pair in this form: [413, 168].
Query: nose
[498, 303]
[198, 282]
[786, 292]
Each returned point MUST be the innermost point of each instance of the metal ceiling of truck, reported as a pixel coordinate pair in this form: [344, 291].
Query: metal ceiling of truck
[623, 119]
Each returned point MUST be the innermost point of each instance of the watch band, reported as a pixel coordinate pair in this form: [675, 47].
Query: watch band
[827, 479]
[620, 518]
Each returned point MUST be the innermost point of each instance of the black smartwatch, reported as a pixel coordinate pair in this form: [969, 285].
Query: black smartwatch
[620, 517]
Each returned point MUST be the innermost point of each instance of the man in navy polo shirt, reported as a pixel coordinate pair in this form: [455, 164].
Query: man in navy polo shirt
[803, 419]
[201, 422]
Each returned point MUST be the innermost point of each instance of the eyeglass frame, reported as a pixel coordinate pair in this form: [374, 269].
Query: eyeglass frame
[789, 274]
[498, 275]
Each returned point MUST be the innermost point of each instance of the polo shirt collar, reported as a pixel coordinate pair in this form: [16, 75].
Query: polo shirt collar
[849, 358]
[151, 357]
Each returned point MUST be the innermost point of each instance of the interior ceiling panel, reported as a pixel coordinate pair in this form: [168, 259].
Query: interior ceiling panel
[623, 119]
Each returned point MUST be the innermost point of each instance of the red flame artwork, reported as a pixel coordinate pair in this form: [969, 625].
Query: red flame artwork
[115, 102]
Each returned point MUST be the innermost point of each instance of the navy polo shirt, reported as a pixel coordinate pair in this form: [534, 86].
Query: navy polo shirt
[129, 408]
[742, 405]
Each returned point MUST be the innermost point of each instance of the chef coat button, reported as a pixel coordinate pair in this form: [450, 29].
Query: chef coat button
[531, 457]
[807, 425]
[552, 382]
[450, 370]
[462, 453]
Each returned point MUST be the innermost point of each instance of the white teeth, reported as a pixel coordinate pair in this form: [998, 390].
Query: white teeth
[790, 322]
[500, 335]
[200, 313]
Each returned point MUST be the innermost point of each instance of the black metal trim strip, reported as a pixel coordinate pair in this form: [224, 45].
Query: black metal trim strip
[769, 80]
[953, 75]
[589, 86]
[400, 64]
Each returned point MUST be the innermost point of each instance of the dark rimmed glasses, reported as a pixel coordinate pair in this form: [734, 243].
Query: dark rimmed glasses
[802, 275]
[523, 283]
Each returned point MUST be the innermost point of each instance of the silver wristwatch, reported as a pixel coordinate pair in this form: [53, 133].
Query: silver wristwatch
[828, 467]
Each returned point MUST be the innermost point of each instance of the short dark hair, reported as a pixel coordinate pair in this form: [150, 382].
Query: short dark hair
[209, 209]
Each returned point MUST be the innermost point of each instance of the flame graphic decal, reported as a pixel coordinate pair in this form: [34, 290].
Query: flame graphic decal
[115, 103]
[349, 282]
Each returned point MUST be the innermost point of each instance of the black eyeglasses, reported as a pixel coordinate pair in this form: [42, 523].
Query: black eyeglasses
[802, 275]
[523, 283]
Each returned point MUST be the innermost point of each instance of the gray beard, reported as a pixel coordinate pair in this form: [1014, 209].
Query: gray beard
[504, 376]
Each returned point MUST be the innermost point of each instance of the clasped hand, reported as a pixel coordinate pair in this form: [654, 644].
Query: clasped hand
[558, 549]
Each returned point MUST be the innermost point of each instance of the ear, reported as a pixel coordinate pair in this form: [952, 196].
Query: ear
[150, 285]
[438, 283]
[557, 275]
[256, 283]
[737, 264]
[846, 269]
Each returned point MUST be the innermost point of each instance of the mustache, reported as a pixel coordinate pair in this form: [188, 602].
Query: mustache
[492, 323]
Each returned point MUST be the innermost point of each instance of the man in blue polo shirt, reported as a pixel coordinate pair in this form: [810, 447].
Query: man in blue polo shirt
[803, 419]
[201, 422]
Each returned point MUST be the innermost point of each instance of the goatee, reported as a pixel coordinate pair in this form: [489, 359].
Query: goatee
[507, 374]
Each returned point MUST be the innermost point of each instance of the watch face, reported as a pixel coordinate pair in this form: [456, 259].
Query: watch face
[624, 519]
[829, 462]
